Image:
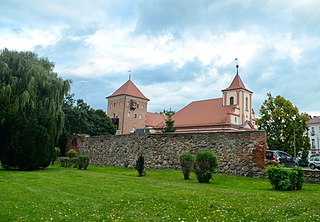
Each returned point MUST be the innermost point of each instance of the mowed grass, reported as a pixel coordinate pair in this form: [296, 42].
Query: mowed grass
[117, 194]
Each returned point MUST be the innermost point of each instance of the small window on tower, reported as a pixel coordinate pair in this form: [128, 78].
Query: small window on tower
[235, 119]
[128, 114]
[140, 116]
[142, 107]
[137, 106]
[135, 116]
[247, 104]
[231, 100]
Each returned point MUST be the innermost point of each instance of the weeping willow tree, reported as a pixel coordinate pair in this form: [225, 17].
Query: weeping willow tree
[31, 116]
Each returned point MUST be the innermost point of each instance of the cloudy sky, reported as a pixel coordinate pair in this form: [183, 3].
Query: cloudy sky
[178, 51]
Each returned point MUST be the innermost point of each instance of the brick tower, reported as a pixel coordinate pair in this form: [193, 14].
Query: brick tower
[127, 107]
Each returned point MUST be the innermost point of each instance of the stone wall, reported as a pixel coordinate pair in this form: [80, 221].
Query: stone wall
[311, 176]
[239, 153]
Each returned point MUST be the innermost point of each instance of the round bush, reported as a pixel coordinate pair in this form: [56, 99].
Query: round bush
[206, 162]
[186, 163]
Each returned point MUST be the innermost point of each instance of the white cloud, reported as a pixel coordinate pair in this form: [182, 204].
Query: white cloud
[28, 39]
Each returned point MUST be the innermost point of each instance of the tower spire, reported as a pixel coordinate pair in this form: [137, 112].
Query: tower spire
[129, 71]
[237, 66]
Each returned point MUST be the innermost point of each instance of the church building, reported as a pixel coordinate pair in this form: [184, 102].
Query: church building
[127, 107]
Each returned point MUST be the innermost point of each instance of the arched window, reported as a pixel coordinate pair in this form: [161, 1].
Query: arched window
[231, 100]
[247, 104]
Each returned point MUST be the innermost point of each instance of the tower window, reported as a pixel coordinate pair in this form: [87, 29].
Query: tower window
[247, 104]
[135, 116]
[231, 100]
[235, 119]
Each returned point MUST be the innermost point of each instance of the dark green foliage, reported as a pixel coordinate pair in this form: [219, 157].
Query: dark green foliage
[285, 178]
[83, 162]
[304, 158]
[206, 163]
[140, 166]
[82, 119]
[31, 116]
[282, 122]
[186, 163]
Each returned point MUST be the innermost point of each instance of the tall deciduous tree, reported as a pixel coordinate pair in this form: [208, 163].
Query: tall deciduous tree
[31, 116]
[284, 125]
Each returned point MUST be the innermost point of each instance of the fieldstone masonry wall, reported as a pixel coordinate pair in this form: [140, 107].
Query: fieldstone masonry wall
[239, 153]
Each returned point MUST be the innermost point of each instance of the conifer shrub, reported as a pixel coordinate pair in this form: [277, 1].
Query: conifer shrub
[140, 166]
[83, 162]
[206, 163]
[282, 178]
[186, 163]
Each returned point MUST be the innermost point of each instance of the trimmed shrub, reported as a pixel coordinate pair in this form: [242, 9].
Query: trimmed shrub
[140, 166]
[282, 178]
[83, 162]
[186, 163]
[71, 153]
[206, 163]
[65, 162]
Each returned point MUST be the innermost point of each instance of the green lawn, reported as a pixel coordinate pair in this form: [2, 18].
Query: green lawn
[117, 194]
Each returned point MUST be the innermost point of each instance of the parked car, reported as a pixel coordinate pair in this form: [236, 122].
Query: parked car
[281, 157]
[314, 162]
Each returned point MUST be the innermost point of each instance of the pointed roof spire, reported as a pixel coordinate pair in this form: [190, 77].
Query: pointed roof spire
[130, 89]
[237, 66]
[237, 82]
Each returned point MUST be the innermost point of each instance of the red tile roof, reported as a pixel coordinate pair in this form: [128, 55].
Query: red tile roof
[314, 120]
[154, 119]
[130, 89]
[237, 84]
[202, 113]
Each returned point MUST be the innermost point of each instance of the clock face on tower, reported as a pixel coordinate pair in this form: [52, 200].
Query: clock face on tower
[133, 105]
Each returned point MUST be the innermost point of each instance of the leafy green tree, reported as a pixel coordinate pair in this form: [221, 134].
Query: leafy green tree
[31, 116]
[284, 125]
[82, 119]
